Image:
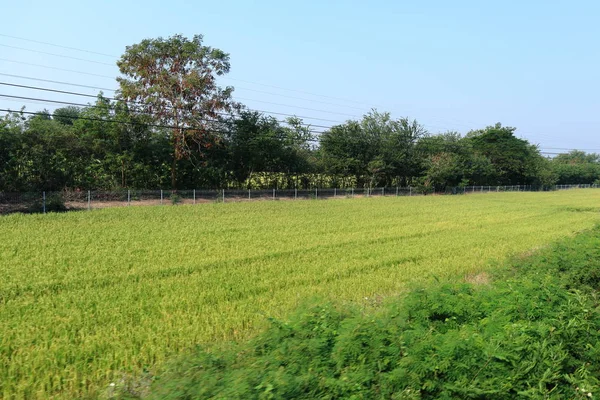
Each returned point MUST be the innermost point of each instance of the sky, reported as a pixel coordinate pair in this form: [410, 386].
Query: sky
[453, 66]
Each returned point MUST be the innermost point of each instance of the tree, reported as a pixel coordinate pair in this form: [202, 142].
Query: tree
[174, 80]
[375, 150]
[515, 160]
[66, 115]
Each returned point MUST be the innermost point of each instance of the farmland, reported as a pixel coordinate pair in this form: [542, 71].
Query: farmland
[87, 297]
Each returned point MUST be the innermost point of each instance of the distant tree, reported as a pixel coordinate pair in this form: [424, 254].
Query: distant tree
[576, 167]
[375, 150]
[515, 160]
[66, 115]
[577, 157]
[174, 80]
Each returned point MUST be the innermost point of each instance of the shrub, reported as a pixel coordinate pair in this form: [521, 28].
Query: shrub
[175, 199]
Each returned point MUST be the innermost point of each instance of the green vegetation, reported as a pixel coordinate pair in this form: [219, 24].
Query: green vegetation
[88, 298]
[171, 125]
[534, 332]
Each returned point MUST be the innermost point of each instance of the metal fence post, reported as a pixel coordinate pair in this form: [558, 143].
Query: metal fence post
[128, 197]
[89, 200]
[194, 194]
[161, 196]
[44, 201]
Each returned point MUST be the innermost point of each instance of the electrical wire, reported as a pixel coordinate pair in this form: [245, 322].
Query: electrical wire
[129, 102]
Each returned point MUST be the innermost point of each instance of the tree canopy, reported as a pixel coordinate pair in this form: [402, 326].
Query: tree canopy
[172, 124]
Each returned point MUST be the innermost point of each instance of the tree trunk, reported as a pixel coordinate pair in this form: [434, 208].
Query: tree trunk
[174, 173]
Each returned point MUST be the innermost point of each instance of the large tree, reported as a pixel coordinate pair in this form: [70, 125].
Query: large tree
[175, 81]
[515, 160]
[375, 150]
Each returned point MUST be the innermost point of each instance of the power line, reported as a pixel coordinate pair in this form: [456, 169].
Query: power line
[302, 108]
[233, 79]
[57, 82]
[297, 98]
[115, 99]
[57, 69]
[106, 76]
[57, 45]
[96, 106]
[239, 88]
[81, 105]
[57, 55]
[562, 148]
[123, 122]
[114, 90]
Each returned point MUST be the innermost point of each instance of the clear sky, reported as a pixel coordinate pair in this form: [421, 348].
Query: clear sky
[452, 65]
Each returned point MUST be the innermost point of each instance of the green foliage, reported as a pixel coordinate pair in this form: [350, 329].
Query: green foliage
[376, 150]
[175, 81]
[515, 161]
[175, 199]
[533, 333]
[66, 115]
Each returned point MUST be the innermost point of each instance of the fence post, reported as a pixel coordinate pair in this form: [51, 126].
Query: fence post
[223, 195]
[161, 197]
[128, 197]
[44, 201]
[89, 200]
[194, 196]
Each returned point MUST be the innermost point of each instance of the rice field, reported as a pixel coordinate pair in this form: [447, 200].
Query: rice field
[89, 297]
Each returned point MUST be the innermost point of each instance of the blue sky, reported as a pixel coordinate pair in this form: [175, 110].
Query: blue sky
[456, 65]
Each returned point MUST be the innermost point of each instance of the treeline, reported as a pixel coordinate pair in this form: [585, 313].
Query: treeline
[108, 146]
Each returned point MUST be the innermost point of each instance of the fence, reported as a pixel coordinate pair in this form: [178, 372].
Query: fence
[80, 200]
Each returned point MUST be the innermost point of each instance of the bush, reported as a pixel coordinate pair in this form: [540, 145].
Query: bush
[175, 199]
[534, 332]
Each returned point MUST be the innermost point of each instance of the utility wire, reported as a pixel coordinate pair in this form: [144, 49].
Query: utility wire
[233, 79]
[114, 90]
[96, 106]
[57, 45]
[57, 55]
[115, 99]
[106, 76]
[56, 68]
[124, 122]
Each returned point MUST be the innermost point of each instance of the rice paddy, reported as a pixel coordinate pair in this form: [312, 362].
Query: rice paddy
[89, 297]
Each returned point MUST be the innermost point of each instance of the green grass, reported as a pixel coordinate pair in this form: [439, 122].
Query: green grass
[89, 296]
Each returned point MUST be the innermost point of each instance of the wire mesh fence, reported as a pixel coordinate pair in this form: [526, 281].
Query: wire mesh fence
[42, 202]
